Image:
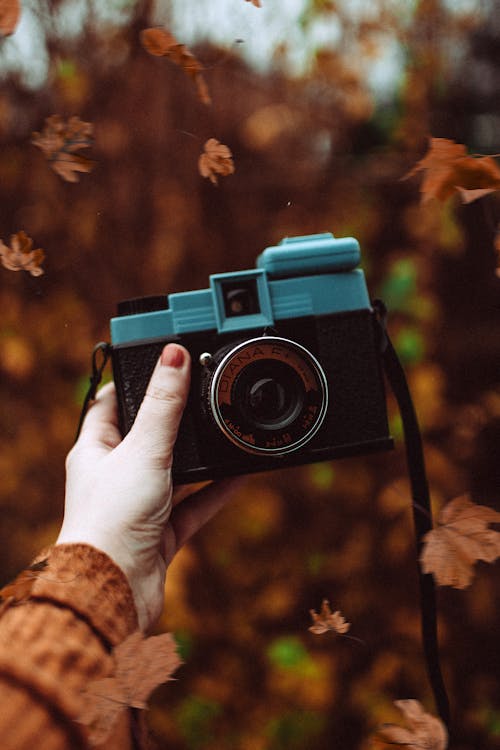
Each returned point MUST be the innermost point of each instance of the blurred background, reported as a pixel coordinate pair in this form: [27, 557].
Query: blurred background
[325, 106]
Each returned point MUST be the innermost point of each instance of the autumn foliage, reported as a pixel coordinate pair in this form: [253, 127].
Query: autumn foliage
[197, 163]
[161, 43]
[60, 140]
[449, 169]
[20, 256]
[141, 664]
[216, 159]
[423, 730]
[326, 620]
[462, 538]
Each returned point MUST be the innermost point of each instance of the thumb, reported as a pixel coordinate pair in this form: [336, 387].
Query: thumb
[155, 428]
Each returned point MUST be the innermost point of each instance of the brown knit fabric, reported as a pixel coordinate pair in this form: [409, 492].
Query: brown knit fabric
[55, 643]
[26, 723]
[91, 584]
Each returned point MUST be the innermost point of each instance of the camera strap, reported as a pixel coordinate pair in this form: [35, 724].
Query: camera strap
[421, 505]
[101, 350]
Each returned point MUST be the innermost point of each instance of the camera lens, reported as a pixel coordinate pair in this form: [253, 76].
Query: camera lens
[268, 395]
[267, 399]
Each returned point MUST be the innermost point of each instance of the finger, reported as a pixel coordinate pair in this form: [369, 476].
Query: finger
[100, 425]
[155, 428]
[188, 517]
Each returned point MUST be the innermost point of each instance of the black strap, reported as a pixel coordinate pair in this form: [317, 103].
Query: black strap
[422, 514]
[97, 369]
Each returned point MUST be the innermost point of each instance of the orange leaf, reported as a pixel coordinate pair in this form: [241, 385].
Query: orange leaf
[161, 43]
[20, 256]
[423, 730]
[10, 11]
[66, 166]
[447, 169]
[327, 620]
[19, 589]
[141, 664]
[59, 140]
[255, 2]
[468, 196]
[460, 539]
[216, 159]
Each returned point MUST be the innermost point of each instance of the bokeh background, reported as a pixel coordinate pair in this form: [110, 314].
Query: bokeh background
[325, 106]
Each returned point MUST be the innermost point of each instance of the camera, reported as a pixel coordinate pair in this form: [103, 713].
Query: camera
[286, 361]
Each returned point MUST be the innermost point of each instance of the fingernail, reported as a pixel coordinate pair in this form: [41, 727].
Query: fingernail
[172, 356]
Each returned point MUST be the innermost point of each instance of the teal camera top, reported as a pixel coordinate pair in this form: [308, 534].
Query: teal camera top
[310, 275]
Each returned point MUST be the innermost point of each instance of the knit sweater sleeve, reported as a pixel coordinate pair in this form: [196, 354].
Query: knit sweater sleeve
[55, 639]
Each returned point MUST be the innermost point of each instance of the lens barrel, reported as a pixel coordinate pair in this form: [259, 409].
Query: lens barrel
[268, 395]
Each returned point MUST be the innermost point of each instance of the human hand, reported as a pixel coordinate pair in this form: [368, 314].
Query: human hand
[119, 492]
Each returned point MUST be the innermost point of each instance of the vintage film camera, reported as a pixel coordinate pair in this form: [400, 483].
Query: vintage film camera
[286, 362]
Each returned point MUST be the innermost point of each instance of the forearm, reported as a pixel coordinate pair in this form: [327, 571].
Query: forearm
[55, 643]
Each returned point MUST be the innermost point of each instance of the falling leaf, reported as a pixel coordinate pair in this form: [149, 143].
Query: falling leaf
[255, 2]
[141, 664]
[327, 620]
[10, 11]
[59, 140]
[468, 196]
[449, 169]
[424, 731]
[20, 256]
[161, 43]
[19, 589]
[460, 539]
[216, 159]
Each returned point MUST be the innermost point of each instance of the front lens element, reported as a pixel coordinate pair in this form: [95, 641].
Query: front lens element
[269, 395]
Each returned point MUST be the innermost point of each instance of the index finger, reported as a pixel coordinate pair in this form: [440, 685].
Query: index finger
[100, 425]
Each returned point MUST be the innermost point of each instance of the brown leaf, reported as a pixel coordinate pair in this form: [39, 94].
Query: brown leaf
[10, 10]
[19, 589]
[460, 539]
[255, 2]
[141, 664]
[448, 168]
[216, 159]
[327, 620]
[59, 140]
[424, 731]
[161, 43]
[20, 256]
[468, 196]
[66, 166]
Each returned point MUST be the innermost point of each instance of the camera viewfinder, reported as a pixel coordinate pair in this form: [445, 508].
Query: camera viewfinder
[240, 298]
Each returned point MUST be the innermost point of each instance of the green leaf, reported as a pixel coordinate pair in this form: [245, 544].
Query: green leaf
[185, 643]
[294, 729]
[288, 652]
[322, 475]
[195, 717]
[66, 69]
[400, 287]
[410, 346]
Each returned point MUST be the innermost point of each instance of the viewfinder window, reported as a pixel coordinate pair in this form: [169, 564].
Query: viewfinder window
[240, 298]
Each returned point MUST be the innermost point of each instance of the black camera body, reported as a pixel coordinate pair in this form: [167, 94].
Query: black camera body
[286, 362]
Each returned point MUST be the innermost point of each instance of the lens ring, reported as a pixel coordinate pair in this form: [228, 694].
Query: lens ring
[269, 439]
[269, 394]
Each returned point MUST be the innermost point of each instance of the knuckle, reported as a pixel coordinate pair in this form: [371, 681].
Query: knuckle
[70, 458]
[172, 399]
